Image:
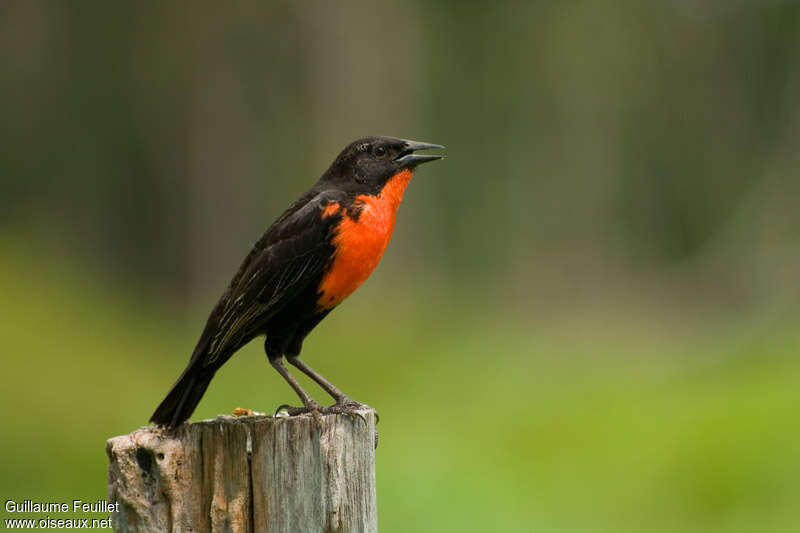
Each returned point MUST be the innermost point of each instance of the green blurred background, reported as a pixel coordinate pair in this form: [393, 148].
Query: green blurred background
[586, 320]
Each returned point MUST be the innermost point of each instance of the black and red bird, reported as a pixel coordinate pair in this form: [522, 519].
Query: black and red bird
[309, 260]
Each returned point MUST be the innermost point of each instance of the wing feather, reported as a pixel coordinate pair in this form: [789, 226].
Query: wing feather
[292, 253]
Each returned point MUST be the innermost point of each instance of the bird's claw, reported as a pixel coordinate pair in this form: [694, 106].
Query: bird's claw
[347, 406]
[292, 410]
[344, 406]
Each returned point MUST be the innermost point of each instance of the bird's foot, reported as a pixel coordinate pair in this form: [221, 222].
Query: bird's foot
[290, 410]
[348, 406]
[344, 406]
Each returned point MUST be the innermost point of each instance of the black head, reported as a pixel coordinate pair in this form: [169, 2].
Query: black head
[368, 163]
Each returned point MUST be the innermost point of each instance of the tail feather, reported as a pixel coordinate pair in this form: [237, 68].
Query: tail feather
[183, 398]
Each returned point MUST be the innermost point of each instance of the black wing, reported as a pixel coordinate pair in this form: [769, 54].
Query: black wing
[292, 253]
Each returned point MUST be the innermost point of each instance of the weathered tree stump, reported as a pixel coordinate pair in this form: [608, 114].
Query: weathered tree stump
[304, 473]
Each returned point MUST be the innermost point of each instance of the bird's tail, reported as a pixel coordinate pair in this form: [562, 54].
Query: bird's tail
[184, 396]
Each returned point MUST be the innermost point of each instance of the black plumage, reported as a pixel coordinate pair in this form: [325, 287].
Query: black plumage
[275, 292]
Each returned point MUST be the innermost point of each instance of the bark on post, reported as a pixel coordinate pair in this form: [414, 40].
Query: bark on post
[249, 474]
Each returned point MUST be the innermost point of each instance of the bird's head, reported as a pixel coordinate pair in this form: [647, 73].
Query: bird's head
[368, 163]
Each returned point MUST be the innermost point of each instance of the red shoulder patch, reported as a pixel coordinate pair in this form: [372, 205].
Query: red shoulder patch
[331, 209]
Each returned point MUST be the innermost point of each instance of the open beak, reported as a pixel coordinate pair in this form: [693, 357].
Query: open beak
[408, 158]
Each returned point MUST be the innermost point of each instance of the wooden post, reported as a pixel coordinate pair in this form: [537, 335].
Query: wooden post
[257, 474]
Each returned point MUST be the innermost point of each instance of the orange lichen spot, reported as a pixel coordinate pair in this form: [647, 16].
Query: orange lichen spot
[360, 243]
[331, 209]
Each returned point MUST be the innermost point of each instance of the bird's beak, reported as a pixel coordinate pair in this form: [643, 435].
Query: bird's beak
[408, 158]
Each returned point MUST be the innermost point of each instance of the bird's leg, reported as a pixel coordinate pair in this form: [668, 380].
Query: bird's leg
[342, 400]
[308, 402]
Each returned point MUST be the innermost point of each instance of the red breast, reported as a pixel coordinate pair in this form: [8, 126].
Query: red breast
[360, 243]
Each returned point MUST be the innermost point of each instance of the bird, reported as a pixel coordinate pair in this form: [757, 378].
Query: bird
[315, 254]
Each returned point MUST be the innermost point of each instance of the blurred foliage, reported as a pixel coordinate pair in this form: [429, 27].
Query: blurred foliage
[632, 137]
[486, 424]
[585, 321]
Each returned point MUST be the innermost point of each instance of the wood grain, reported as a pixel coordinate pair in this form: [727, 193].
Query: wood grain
[248, 474]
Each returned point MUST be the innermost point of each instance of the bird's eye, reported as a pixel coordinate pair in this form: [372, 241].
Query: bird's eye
[380, 151]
